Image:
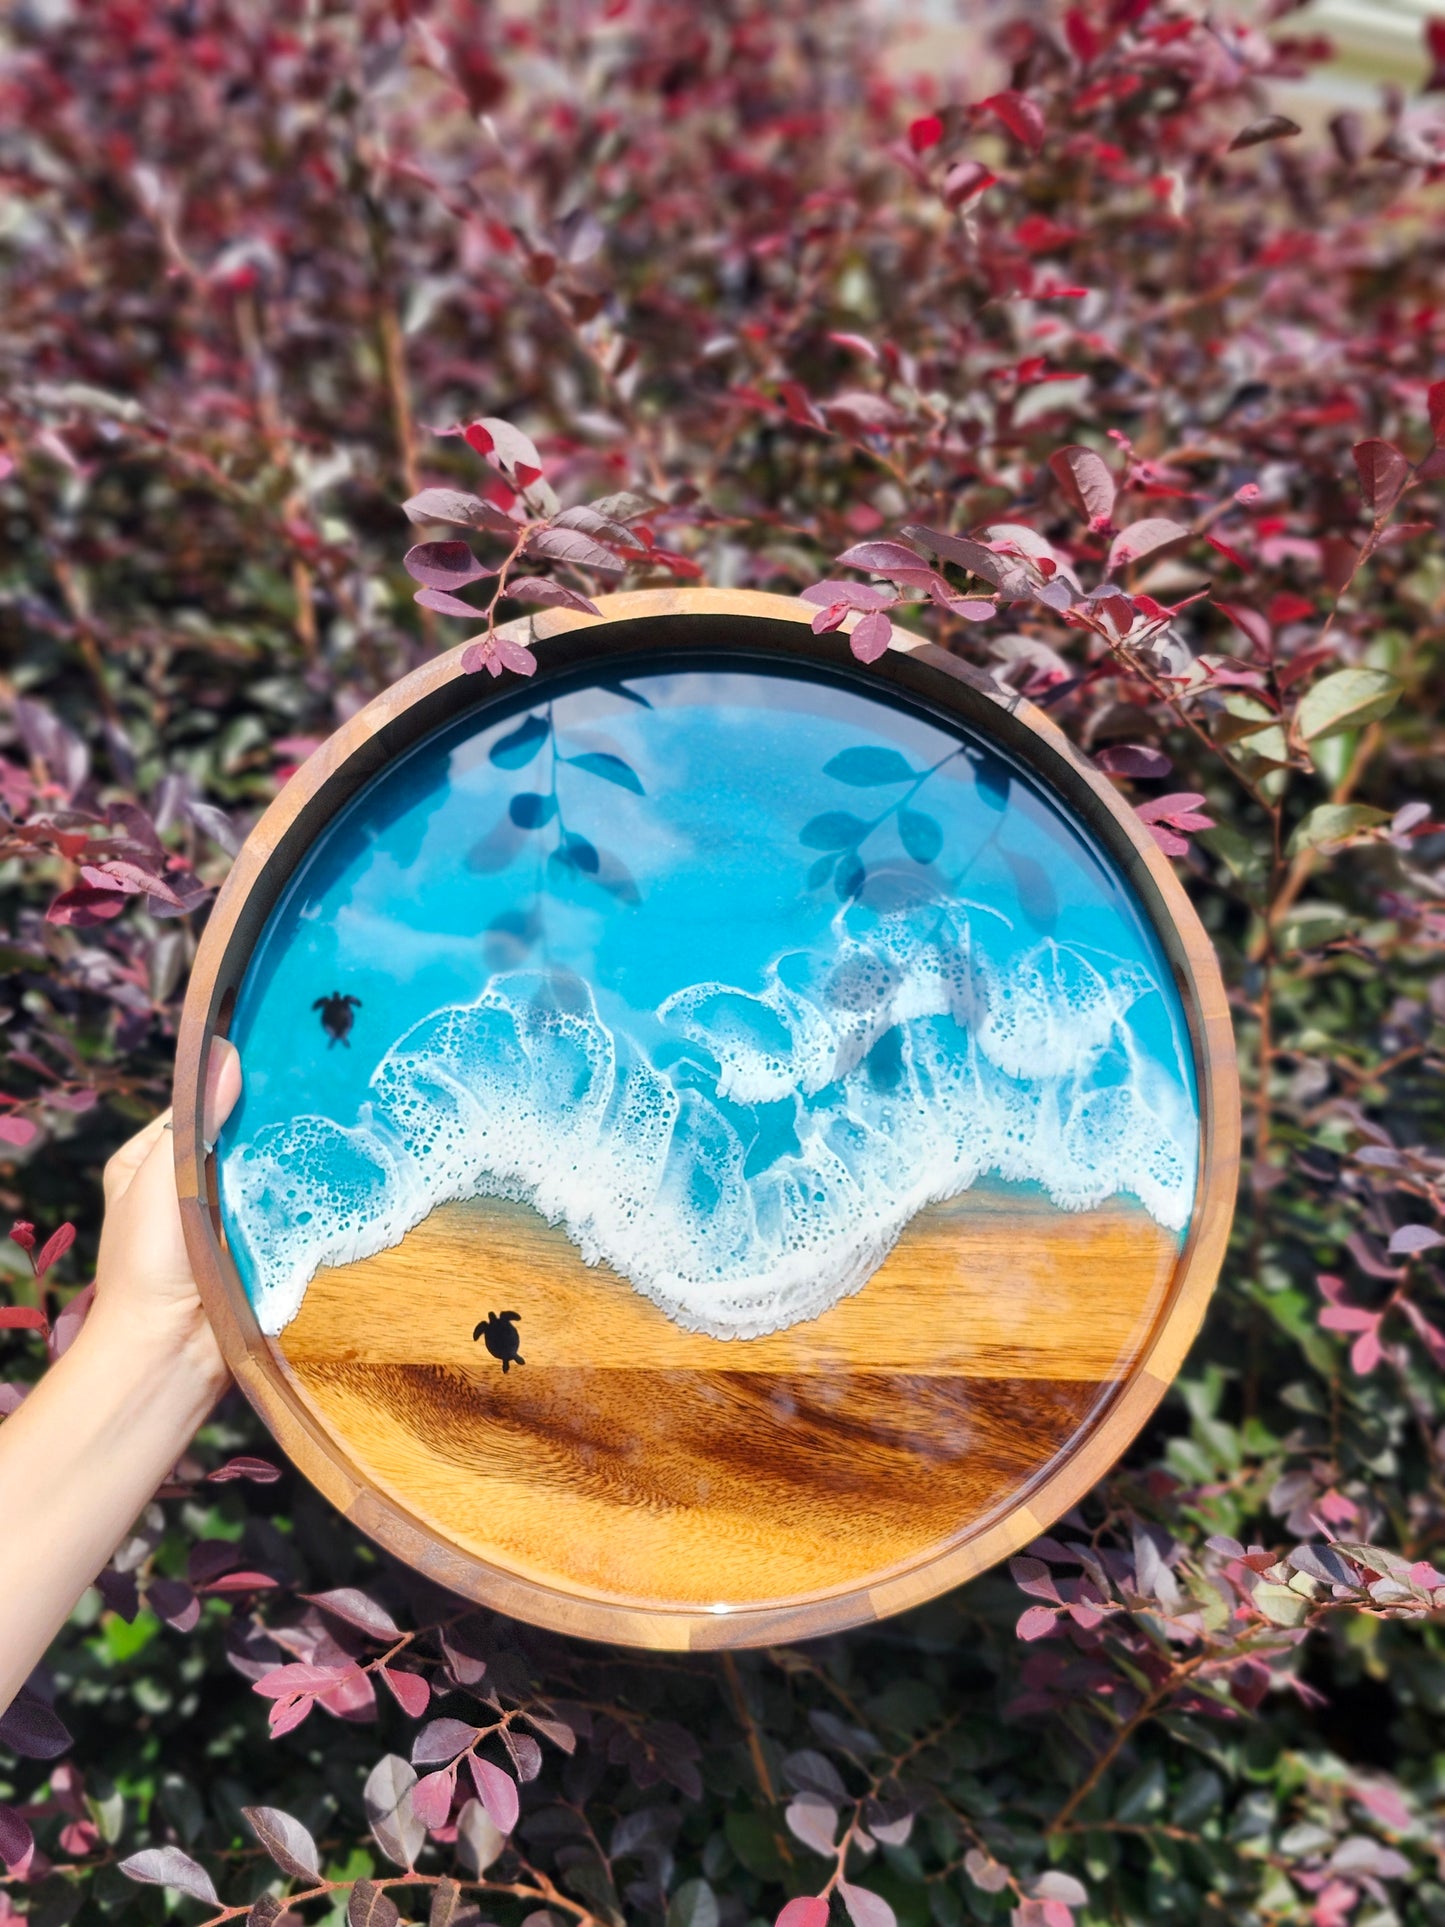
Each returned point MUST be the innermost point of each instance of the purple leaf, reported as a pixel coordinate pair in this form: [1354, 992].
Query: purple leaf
[1143, 538]
[1411, 1238]
[453, 505]
[539, 588]
[871, 636]
[17, 1842]
[356, 1609]
[447, 605]
[289, 1843]
[497, 1792]
[169, 1867]
[29, 1728]
[444, 565]
[442, 1740]
[259, 1471]
[1134, 759]
[571, 545]
[431, 1797]
[1383, 472]
[173, 1601]
[865, 1908]
[885, 558]
[1269, 127]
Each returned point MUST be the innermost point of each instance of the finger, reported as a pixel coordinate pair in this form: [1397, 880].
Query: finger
[223, 1087]
[121, 1168]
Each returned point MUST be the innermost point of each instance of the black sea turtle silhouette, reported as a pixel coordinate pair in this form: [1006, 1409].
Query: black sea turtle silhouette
[500, 1338]
[336, 1016]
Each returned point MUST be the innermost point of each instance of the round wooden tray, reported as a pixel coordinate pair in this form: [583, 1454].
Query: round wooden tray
[867, 1464]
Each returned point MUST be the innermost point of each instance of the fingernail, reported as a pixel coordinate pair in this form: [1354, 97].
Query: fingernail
[223, 1087]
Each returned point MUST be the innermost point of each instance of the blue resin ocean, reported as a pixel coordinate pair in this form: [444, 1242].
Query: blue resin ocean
[727, 972]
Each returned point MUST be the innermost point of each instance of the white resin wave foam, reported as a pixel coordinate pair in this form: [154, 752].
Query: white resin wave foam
[909, 1066]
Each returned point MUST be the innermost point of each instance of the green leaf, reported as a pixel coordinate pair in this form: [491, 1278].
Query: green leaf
[1143, 1795]
[1334, 823]
[693, 1905]
[1280, 1606]
[611, 769]
[513, 751]
[921, 835]
[1345, 700]
[833, 830]
[866, 768]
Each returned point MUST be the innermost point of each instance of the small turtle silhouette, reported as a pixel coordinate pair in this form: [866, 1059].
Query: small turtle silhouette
[336, 1017]
[500, 1338]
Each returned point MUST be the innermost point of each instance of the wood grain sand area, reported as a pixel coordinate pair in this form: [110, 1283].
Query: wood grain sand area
[634, 1461]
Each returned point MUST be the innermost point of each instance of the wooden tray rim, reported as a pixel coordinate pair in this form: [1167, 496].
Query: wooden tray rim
[680, 620]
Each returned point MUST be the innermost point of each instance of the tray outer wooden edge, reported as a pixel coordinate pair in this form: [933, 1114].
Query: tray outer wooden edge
[338, 768]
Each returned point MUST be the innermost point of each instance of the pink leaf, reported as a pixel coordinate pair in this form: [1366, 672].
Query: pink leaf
[22, 1233]
[1020, 116]
[1366, 1352]
[497, 1792]
[410, 1691]
[860, 344]
[18, 1130]
[282, 1682]
[1144, 538]
[808, 1910]
[1085, 478]
[885, 558]
[1347, 1318]
[431, 1797]
[855, 595]
[1033, 1576]
[1036, 1623]
[286, 1714]
[1168, 842]
[963, 181]
[871, 637]
[495, 653]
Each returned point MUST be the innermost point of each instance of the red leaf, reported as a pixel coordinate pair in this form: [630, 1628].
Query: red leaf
[1251, 624]
[1383, 472]
[22, 1233]
[1435, 401]
[284, 1682]
[23, 1318]
[497, 1792]
[925, 132]
[872, 636]
[286, 1714]
[1083, 37]
[55, 1246]
[964, 180]
[1020, 116]
[410, 1690]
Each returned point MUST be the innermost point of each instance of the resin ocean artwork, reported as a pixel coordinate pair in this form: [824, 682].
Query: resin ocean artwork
[728, 975]
[712, 1134]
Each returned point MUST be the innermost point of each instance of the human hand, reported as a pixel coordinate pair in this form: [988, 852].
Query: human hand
[145, 1293]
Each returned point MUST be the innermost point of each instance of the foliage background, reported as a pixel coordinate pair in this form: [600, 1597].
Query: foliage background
[724, 258]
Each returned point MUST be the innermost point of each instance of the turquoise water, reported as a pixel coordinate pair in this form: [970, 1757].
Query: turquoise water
[728, 972]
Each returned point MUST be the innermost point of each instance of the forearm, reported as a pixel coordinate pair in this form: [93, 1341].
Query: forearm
[80, 1459]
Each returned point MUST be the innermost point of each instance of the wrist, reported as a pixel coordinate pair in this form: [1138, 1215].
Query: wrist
[167, 1355]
